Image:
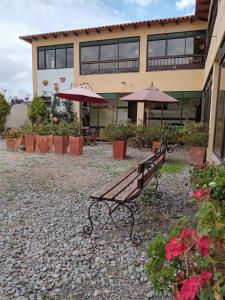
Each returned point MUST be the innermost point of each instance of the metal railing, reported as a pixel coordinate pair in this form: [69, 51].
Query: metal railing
[109, 66]
[175, 62]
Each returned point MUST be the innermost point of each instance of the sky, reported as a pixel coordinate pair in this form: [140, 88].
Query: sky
[23, 17]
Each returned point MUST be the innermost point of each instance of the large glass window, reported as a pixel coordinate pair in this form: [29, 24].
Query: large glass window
[176, 50]
[219, 142]
[109, 56]
[55, 57]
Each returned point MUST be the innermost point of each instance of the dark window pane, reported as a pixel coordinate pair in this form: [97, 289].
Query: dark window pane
[89, 53]
[199, 45]
[61, 58]
[190, 45]
[220, 134]
[129, 50]
[109, 52]
[41, 59]
[156, 48]
[50, 59]
[69, 62]
[176, 47]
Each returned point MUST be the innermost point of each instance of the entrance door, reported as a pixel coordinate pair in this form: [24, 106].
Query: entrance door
[132, 111]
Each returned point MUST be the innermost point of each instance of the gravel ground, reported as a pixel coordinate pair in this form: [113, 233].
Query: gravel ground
[43, 208]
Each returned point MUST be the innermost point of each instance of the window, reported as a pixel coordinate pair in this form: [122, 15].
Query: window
[206, 100]
[55, 57]
[176, 50]
[109, 56]
[219, 138]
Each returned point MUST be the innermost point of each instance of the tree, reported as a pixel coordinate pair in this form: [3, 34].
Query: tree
[38, 111]
[4, 111]
[62, 110]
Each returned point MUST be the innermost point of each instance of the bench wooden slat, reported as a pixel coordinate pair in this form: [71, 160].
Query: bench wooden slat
[141, 163]
[112, 184]
[125, 194]
[120, 187]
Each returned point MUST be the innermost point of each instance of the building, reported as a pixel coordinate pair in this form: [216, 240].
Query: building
[183, 56]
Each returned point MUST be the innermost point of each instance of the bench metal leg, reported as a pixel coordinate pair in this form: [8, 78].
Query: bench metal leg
[131, 208]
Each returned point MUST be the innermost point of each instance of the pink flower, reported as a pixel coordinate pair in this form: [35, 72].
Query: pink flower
[202, 193]
[204, 277]
[203, 245]
[174, 248]
[188, 233]
[190, 289]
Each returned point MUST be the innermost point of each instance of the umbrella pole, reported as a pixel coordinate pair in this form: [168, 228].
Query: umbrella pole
[162, 115]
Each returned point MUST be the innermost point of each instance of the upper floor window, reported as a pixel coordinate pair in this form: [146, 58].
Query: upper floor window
[176, 50]
[110, 56]
[55, 57]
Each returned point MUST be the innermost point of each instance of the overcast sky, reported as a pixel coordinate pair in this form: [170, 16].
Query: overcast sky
[22, 17]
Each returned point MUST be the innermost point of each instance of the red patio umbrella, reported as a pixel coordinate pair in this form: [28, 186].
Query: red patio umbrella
[150, 95]
[82, 94]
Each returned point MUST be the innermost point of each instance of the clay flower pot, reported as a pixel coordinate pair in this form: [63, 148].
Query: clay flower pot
[155, 145]
[51, 142]
[13, 143]
[29, 141]
[119, 149]
[42, 143]
[61, 144]
[76, 144]
[197, 155]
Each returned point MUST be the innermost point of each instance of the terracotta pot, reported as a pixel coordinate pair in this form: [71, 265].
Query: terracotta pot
[61, 144]
[13, 143]
[29, 141]
[51, 142]
[197, 155]
[155, 145]
[42, 143]
[119, 149]
[76, 145]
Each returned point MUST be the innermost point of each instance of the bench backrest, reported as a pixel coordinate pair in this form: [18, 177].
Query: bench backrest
[149, 166]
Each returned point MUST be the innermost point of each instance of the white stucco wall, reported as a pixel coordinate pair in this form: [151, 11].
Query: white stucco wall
[17, 116]
[48, 79]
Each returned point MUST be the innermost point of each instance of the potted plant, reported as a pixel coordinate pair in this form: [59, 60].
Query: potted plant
[76, 141]
[29, 132]
[61, 137]
[42, 143]
[118, 135]
[156, 133]
[13, 139]
[197, 142]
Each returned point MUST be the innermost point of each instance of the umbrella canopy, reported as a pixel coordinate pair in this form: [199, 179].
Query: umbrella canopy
[150, 94]
[82, 94]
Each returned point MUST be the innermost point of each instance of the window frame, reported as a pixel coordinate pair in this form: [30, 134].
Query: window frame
[221, 155]
[117, 41]
[167, 37]
[54, 47]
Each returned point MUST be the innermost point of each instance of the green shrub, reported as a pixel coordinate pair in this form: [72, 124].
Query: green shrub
[74, 128]
[61, 128]
[121, 132]
[28, 128]
[38, 111]
[198, 139]
[44, 128]
[4, 111]
[13, 133]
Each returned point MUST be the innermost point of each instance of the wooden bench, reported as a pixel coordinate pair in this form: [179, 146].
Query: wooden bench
[125, 188]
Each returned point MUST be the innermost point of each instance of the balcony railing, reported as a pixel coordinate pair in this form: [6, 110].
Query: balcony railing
[175, 62]
[109, 66]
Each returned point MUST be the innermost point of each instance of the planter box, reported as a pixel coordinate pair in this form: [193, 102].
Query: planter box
[51, 142]
[76, 145]
[197, 155]
[13, 143]
[42, 144]
[29, 141]
[119, 149]
[61, 144]
[155, 145]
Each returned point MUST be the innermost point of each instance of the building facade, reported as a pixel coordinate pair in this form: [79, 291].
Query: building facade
[183, 56]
